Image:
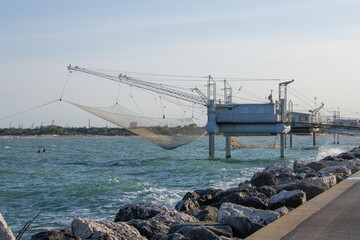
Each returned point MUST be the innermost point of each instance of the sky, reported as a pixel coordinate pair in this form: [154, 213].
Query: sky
[314, 42]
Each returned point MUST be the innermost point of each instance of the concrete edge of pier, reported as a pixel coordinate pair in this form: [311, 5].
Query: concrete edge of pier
[284, 225]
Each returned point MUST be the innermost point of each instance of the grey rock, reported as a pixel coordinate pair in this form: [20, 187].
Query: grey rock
[348, 163]
[311, 186]
[312, 175]
[55, 235]
[289, 177]
[282, 211]
[329, 158]
[264, 178]
[227, 193]
[235, 197]
[89, 229]
[356, 152]
[139, 211]
[151, 229]
[208, 195]
[208, 191]
[244, 220]
[173, 217]
[216, 228]
[189, 203]
[255, 200]
[5, 231]
[343, 171]
[285, 198]
[317, 166]
[198, 233]
[304, 169]
[175, 236]
[252, 199]
[246, 187]
[299, 164]
[278, 169]
[346, 155]
[207, 214]
[267, 190]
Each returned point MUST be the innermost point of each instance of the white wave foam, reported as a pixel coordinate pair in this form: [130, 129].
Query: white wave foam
[328, 150]
[229, 184]
[113, 180]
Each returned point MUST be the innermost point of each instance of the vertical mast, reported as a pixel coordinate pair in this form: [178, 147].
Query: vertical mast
[283, 112]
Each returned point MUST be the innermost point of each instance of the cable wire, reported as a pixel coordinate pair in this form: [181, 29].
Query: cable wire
[30, 109]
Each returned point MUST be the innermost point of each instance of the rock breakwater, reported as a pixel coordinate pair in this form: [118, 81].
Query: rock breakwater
[211, 213]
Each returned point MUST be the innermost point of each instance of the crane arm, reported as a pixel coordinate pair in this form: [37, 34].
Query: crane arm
[153, 87]
[316, 110]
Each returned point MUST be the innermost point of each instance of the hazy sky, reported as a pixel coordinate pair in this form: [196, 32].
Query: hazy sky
[315, 42]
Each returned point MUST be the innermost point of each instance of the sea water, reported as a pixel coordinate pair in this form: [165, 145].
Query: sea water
[94, 177]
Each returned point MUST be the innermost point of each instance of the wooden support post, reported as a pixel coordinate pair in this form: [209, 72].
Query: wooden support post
[334, 138]
[227, 147]
[211, 145]
[314, 138]
[285, 141]
[282, 145]
[291, 140]
[338, 138]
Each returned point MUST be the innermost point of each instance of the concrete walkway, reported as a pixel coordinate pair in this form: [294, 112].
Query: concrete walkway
[334, 214]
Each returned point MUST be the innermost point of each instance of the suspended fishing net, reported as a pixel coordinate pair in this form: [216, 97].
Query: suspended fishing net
[254, 143]
[168, 133]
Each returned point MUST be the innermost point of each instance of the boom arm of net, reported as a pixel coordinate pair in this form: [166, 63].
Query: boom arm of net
[153, 87]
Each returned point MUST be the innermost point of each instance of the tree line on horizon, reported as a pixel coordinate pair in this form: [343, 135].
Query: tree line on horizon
[65, 131]
[101, 131]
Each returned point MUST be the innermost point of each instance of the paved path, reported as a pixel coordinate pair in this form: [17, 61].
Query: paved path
[332, 215]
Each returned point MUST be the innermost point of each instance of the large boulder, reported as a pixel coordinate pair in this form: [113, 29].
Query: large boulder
[243, 188]
[244, 220]
[151, 229]
[252, 199]
[235, 197]
[267, 190]
[55, 235]
[213, 192]
[202, 230]
[139, 211]
[207, 214]
[189, 203]
[175, 236]
[346, 155]
[311, 186]
[173, 217]
[285, 198]
[279, 169]
[86, 228]
[207, 195]
[317, 166]
[343, 171]
[264, 178]
[356, 152]
[5, 231]
[255, 200]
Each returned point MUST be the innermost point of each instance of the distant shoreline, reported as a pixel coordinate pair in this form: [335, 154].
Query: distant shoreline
[49, 136]
[45, 136]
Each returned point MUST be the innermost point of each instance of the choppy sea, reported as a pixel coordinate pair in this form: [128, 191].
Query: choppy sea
[95, 177]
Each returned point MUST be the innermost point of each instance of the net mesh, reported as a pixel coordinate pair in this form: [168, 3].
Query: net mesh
[251, 143]
[167, 133]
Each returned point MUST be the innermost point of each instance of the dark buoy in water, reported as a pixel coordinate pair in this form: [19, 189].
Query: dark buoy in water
[39, 151]
[44, 150]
